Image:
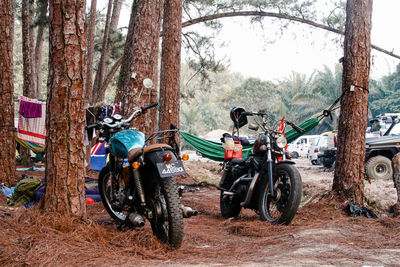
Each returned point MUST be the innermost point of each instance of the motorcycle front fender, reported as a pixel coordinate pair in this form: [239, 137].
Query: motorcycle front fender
[286, 161]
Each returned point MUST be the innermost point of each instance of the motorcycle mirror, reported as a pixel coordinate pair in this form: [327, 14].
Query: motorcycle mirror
[148, 83]
[253, 127]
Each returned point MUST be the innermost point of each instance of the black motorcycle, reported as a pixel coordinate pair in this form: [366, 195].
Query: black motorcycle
[265, 181]
[138, 183]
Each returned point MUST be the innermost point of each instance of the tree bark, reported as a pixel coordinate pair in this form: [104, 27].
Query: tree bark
[65, 121]
[141, 61]
[28, 54]
[349, 172]
[396, 182]
[99, 78]
[92, 31]
[42, 18]
[7, 141]
[170, 64]
[115, 14]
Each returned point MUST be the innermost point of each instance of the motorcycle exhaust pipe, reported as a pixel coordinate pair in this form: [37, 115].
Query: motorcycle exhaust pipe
[136, 219]
[188, 212]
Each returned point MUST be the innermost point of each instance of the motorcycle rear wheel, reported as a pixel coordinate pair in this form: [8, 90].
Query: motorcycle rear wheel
[104, 183]
[282, 208]
[167, 221]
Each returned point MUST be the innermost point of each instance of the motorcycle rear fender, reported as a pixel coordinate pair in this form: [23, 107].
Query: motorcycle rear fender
[157, 155]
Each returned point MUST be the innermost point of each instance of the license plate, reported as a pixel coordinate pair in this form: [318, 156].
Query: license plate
[170, 169]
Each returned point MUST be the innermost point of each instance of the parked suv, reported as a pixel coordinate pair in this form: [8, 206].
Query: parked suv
[379, 153]
[299, 147]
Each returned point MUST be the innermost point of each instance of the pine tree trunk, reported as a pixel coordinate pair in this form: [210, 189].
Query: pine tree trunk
[101, 87]
[42, 20]
[349, 172]
[28, 52]
[65, 121]
[141, 61]
[92, 31]
[170, 64]
[38, 58]
[115, 14]
[7, 141]
[99, 78]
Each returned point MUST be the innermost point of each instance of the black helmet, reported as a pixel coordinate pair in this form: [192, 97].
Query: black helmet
[237, 118]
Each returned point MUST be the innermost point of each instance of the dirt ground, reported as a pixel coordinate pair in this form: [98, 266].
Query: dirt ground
[321, 233]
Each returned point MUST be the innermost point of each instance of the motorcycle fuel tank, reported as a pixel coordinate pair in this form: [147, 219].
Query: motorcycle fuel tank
[122, 142]
[261, 140]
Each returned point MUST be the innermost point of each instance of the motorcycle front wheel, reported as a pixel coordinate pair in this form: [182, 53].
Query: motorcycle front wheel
[281, 208]
[112, 202]
[167, 221]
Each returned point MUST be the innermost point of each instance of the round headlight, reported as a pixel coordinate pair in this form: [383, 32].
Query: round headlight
[281, 141]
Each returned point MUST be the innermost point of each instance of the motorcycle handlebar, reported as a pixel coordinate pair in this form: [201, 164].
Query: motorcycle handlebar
[136, 113]
[91, 126]
[149, 106]
[252, 113]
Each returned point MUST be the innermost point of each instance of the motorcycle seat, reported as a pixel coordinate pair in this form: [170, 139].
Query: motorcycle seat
[135, 153]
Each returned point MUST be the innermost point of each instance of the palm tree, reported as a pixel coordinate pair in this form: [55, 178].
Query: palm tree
[324, 89]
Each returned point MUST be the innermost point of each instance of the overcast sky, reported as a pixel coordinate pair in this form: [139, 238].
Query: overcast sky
[301, 49]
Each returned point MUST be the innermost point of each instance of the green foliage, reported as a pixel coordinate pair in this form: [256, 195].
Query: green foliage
[298, 97]
[206, 107]
[201, 102]
[385, 97]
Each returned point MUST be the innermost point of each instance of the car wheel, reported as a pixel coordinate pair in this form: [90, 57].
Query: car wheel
[314, 162]
[379, 167]
[295, 155]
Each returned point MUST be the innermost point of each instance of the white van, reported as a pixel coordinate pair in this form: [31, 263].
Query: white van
[299, 147]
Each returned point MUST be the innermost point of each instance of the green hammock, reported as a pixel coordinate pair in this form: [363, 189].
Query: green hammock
[215, 151]
[307, 126]
[210, 149]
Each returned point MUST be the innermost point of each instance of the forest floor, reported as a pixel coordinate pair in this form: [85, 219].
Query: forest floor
[321, 233]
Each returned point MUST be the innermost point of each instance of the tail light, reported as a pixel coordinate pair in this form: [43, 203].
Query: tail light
[136, 165]
[167, 157]
[185, 156]
[316, 150]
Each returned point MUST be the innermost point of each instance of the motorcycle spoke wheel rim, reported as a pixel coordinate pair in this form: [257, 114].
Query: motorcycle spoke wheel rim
[276, 205]
[120, 214]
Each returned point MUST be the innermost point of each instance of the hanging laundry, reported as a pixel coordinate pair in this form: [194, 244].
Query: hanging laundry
[32, 129]
[30, 109]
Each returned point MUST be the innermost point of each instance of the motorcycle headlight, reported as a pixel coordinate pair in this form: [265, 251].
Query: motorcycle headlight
[281, 141]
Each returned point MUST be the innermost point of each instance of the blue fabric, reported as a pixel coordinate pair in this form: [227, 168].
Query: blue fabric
[98, 162]
[7, 191]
